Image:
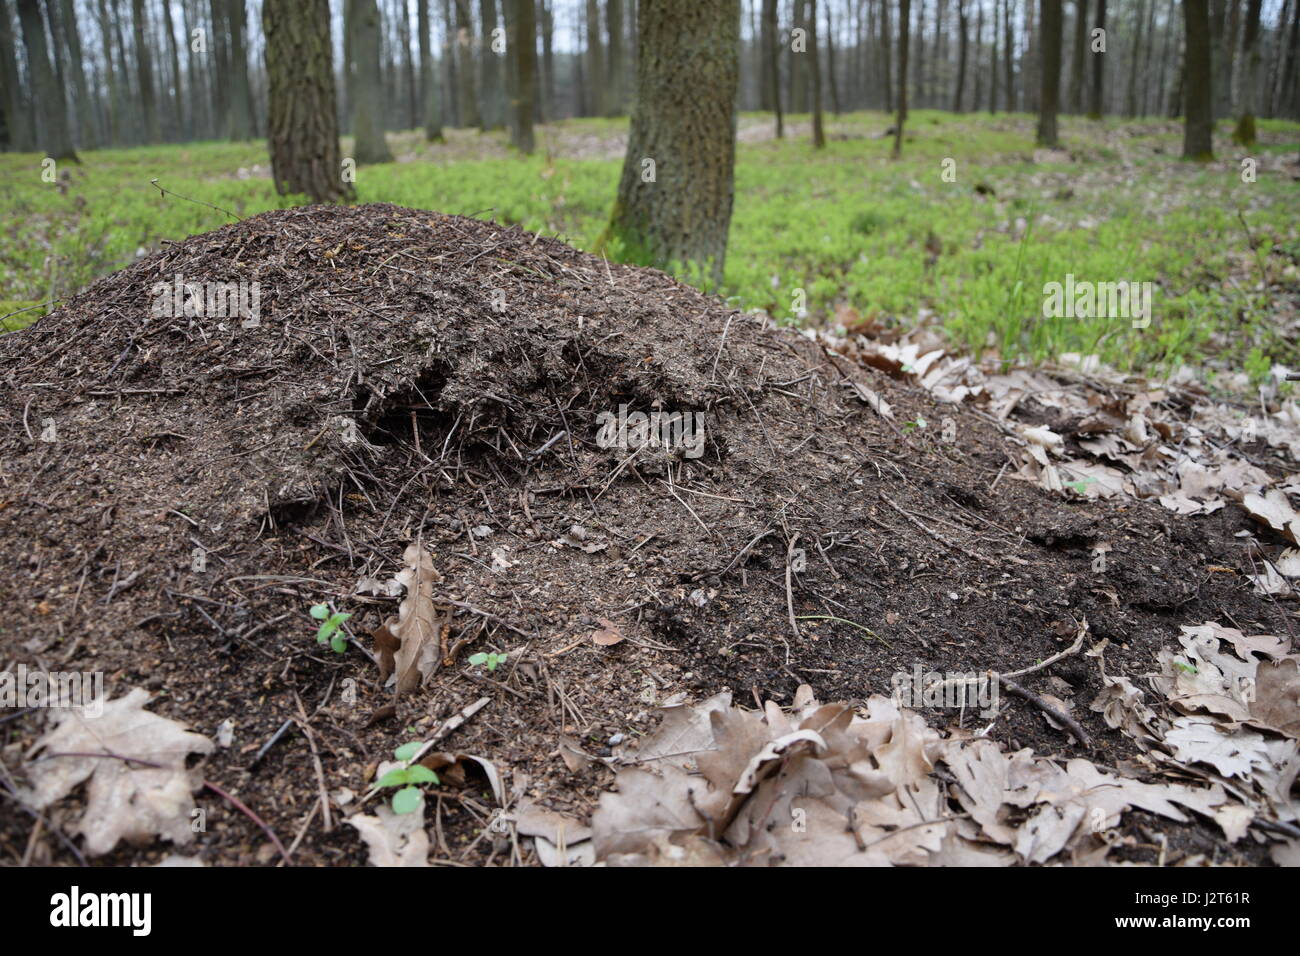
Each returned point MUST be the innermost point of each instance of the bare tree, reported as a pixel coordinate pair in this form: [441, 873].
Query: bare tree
[361, 21]
[1244, 133]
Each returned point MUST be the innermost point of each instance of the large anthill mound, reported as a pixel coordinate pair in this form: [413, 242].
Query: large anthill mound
[178, 490]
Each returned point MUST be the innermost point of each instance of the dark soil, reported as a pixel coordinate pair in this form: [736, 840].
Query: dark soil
[476, 433]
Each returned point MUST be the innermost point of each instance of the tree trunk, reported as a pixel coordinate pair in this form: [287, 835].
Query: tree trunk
[904, 27]
[1245, 129]
[523, 44]
[362, 24]
[1009, 53]
[772, 55]
[830, 62]
[818, 129]
[886, 45]
[993, 63]
[548, 58]
[1049, 42]
[302, 128]
[918, 77]
[144, 71]
[676, 191]
[798, 60]
[979, 39]
[241, 96]
[466, 97]
[616, 101]
[430, 103]
[491, 103]
[54, 138]
[86, 138]
[18, 115]
[962, 41]
[1198, 141]
[767, 65]
[595, 61]
[1079, 57]
[1135, 58]
[1096, 107]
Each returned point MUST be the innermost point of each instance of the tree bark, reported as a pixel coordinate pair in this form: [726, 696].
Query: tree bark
[144, 71]
[962, 41]
[1079, 57]
[771, 49]
[362, 24]
[86, 134]
[491, 102]
[523, 43]
[1135, 58]
[1244, 133]
[19, 135]
[677, 208]
[818, 128]
[595, 61]
[430, 103]
[1198, 142]
[50, 107]
[616, 101]
[302, 128]
[1009, 53]
[904, 27]
[1049, 42]
[466, 98]
[1096, 107]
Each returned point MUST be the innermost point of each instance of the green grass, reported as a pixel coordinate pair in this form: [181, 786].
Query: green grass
[847, 225]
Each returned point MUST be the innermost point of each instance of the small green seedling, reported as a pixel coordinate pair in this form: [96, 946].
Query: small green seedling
[491, 660]
[331, 624]
[916, 425]
[1185, 668]
[408, 778]
[1081, 486]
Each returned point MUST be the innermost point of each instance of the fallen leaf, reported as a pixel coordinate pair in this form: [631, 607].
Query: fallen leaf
[124, 801]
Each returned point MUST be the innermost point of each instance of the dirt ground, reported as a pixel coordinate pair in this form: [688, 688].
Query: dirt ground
[418, 377]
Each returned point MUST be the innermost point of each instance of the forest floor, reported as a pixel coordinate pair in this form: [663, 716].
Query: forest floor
[414, 432]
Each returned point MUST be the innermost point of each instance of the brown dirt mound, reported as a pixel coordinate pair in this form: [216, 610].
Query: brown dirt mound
[420, 376]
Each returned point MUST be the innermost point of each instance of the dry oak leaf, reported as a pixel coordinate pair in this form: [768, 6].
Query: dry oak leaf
[1274, 510]
[125, 800]
[408, 644]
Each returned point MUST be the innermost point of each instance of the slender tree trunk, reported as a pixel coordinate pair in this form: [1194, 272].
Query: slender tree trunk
[144, 71]
[54, 137]
[798, 59]
[771, 32]
[595, 61]
[818, 129]
[918, 73]
[979, 40]
[765, 62]
[1097, 105]
[1198, 141]
[181, 127]
[1009, 51]
[1049, 42]
[886, 45]
[830, 61]
[467, 99]
[430, 103]
[993, 62]
[241, 96]
[1138, 51]
[904, 27]
[962, 41]
[616, 101]
[523, 45]
[1164, 56]
[362, 23]
[18, 115]
[302, 115]
[1245, 129]
[548, 56]
[491, 103]
[676, 191]
[86, 138]
[1079, 57]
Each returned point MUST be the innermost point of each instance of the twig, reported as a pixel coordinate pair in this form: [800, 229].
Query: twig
[789, 590]
[1073, 725]
[200, 202]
